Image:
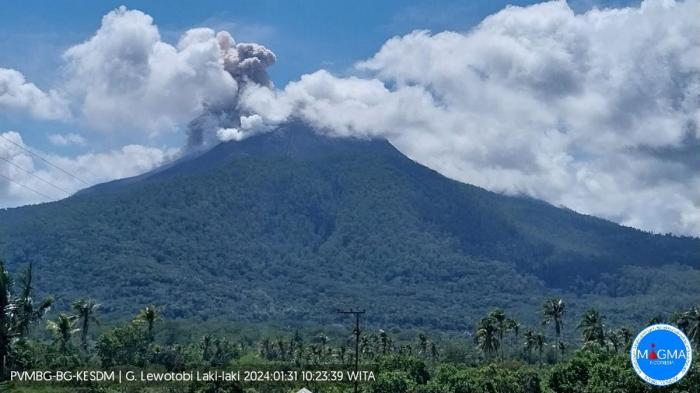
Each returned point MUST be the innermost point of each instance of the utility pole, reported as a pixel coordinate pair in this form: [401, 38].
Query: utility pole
[356, 332]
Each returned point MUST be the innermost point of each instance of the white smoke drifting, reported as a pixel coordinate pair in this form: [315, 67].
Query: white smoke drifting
[126, 77]
[247, 64]
[597, 112]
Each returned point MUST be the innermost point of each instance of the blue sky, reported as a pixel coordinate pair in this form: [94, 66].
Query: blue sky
[588, 104]
[306, 35]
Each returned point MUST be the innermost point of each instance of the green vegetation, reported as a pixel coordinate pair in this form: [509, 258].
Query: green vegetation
[244, 254]
[289, 226]
[494, 361]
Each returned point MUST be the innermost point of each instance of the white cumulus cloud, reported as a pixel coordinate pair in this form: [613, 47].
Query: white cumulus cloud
[26, 179]
[126, 77]
[18, 95]
[67, 139]
[595, 111]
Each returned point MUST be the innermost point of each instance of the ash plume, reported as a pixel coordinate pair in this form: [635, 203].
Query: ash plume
[247, 64]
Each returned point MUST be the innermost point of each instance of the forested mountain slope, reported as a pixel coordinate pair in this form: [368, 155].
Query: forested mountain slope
[289, 225]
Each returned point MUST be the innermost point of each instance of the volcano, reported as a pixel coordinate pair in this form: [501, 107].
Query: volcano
[290, 225]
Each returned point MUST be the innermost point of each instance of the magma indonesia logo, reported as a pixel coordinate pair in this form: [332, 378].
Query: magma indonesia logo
[661, 354]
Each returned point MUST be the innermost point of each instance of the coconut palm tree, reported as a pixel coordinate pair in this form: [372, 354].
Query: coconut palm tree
[17, 313]
[486, 337]
[266, 349]
[63, 329]
[618, 338]
[592, 328]
[206, 347]
[300, 353]
[501, 322]
[27, 311]
[423, 344]
[322, 342]
[342, 352]
[294, 343]
[540, 341]
[149, 315]
[7, 317]
[365, 347]
[384, 342]
[553, 312]
[317, 352]
[434, 353]
[514, 326]
[562, 348]
[282, 348]
[530, 343]
[625, 336]
[85, 311]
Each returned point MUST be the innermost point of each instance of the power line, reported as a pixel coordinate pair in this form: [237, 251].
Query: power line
[45, 160]
[34, 175]
[28, 188]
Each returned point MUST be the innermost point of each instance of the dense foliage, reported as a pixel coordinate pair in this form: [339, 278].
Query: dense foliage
[289, 226]
[498, 359]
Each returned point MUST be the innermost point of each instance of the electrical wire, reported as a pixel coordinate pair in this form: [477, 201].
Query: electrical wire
[35, 175]
[45, 160]
[28, 188]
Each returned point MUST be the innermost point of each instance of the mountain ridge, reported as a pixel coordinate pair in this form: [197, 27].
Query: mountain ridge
[353, 220]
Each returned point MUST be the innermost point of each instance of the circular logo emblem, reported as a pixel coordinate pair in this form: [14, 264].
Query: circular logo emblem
[661, 354]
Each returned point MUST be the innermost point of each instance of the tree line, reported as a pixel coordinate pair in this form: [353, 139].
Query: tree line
[503, 355]
[492, 330]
